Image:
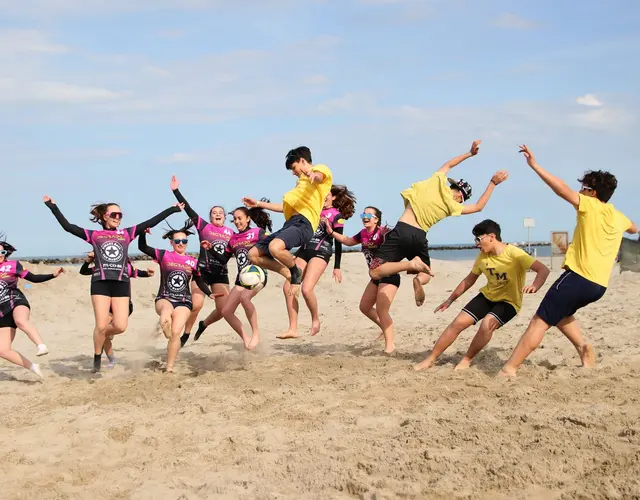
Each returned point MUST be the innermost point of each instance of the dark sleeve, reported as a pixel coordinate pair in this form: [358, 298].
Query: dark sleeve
[66, 225]
[144, 248]
[201, 284]
[338, 252]
[187, 208]
[154, 221]
[142, 274]
[86, 269]
[38, 278]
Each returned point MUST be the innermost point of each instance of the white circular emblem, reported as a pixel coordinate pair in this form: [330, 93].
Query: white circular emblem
[112, 251]
[177, 281]
[4, 288]
[219, 248]
[241, 258]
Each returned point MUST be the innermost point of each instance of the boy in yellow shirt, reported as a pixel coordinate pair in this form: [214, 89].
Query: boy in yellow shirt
[499, 301]
[588, 262]
[301, 207]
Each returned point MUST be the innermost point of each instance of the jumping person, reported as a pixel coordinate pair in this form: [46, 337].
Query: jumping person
[499, 301]
[425, 204]
[110, 287]
[15, 309]
[173, 301]
[379, 294]
[213, 272]
[301, 208]
[314, 256]
[239, 247]
[588, 262]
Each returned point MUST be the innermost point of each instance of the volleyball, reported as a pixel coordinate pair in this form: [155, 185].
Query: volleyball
[251, 276]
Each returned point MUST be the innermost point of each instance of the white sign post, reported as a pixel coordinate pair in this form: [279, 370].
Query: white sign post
[529, 223]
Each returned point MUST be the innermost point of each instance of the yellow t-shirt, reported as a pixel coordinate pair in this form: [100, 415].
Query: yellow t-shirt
[506, 275]
[596, 240]
[307, 198]
[431, 200]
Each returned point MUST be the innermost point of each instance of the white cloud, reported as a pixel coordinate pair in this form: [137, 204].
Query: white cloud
[15, 91]
[514, 22]
[589, 100]
[19, 41]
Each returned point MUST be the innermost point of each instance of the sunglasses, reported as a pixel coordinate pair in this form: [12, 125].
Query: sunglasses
[478, 239]
[184, 241]
[3, 252]
[114, 215]
[586, 188]
[367, 216]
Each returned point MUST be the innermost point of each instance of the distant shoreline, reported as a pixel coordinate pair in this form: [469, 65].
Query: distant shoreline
[79, 259]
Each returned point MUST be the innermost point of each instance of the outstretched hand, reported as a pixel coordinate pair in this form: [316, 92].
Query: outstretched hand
[499, 177]
[529, 289]
[531, 159]
[151, 271]
[337, 275]
[175, 183]
[250, 202]
[58, 272]
[475, 147]
[443, 307]
[46, 199]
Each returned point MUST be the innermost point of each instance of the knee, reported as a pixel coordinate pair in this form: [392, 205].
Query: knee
[364, 308]
[489, 325]
[276, 246]
[374, 273]
[119, 327]
[307, 291]
[197, 306]
[253, 255]
[21, 324]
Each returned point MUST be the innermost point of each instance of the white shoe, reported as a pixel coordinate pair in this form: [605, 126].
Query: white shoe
[36, 369]
[42, 350]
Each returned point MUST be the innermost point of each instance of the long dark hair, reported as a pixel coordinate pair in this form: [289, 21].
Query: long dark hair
[98, 211]
[7, 246]
[378, 215]
[257, 215]
[171, 232]
[345, 200]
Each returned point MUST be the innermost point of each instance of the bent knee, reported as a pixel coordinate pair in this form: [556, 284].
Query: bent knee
[276, 245]
[307, 291]
[490, 324]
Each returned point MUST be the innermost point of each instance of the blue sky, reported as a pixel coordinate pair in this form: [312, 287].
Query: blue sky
[104, 101]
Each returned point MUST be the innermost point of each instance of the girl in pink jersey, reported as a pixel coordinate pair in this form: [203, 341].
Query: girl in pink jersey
[383, 291]
[15, 309]
[239, 246]
[110, 287]
[214, 273]
[174, 301]
[313, 258]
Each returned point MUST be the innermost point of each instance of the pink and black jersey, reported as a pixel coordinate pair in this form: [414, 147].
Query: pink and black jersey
[241, 243]
[219, 237]
[370, 243]
[176, 272]
[321, 241]
[11, 271]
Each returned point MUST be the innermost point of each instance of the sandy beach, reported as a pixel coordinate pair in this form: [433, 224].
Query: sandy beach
[321, 417]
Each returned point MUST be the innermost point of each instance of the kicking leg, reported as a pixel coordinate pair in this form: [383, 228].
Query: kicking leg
[216, 314]
[179, 317]
[368, 305]
[252, 315]
[448, 337]
[259, 257]
[384, 270]
[6, 352]
[164, 308]
[21, 316]
[529, 341]
[419, 282]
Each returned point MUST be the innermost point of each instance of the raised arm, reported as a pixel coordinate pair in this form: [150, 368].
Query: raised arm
[462, 287]
[557, 185]
[475, 147]
[253, 203]
[497, 178]
[542, 272]
[175, 185]
[66, 225]
[154, 221]
[144, 248]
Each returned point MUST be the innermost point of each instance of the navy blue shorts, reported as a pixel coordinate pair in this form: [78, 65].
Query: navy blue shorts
[569, 293]
[296, 232]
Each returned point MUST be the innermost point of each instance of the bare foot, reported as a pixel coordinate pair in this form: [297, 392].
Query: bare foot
[315, 328]
[418, 266]
[507, 372]
[389, 348]
[169, 369]
[166, 327]
[418, 291]
[588, 356]
[246, 340]
[289, 334]
[463, 365]
[255, 339]
[426, 364]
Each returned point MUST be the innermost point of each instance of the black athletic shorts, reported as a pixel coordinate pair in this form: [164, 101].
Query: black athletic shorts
[569, 293]
[6, 317]
[296, 232]
[389, 280]
[214, 278]
[480, 306]
[176, 303]
[307, 254]
[403, 242]
[111, 288]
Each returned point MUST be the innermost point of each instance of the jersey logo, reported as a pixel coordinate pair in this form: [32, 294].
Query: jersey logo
[112, 251]
[176, 281]
[219, 248]
[227, 232]
[5, 269]
[241, 258]
[4, 288]
[499, 276]
[340, 221]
